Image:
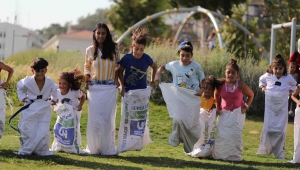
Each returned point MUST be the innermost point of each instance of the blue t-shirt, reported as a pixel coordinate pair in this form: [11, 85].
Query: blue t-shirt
[135, 71]
[186, 76]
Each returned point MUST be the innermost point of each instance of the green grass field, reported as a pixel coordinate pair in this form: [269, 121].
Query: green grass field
[158, 155]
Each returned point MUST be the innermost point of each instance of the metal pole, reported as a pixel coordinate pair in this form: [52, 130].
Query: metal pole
[273, 40]
[12, 52]
[293, 36]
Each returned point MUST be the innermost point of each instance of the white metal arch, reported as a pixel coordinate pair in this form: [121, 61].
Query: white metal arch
[192, 11]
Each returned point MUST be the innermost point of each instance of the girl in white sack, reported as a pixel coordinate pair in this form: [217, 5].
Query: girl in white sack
[231, 109]
[3, 84]
[67, 136]
[100, 70]
[277, 85]
[296, 156]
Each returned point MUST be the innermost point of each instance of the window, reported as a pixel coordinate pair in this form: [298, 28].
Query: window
[3, 46]
[0, 34]
[4, 34]
[0, 46]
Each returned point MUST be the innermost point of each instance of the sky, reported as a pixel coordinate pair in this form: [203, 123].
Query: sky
[39, 14]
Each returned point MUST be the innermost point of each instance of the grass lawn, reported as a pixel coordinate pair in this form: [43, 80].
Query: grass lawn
[158, 155]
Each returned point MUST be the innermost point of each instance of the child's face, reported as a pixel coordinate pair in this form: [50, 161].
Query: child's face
[100, 35]
[231, 75]
[137, 50]
[185, 57]
[63, 85]
[292, 68]
[208, 90]
[39, 74]
[278, 71]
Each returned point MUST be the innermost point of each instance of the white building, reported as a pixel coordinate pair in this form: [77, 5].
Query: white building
[71, 41]
[14, 39]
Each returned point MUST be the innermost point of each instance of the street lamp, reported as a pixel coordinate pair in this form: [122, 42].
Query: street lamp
[13, 43]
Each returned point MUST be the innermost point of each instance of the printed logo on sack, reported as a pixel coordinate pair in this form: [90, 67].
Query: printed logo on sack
[138, 114]
[137, 128]
[64, 135]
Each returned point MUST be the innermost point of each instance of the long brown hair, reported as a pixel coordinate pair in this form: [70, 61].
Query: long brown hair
[109, 46]
[277, 61]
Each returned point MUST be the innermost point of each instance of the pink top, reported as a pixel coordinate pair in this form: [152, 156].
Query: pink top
[231, 99]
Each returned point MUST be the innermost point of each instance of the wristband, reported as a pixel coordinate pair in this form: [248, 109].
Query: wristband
[245, 104]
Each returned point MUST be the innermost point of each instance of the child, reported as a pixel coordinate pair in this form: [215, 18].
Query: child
[296, 156]
[186, 74]
[292, 104]
[277, 86]
[135, 94]
[34, 123]
[228, 144]
[203, 147]
[67, 135]
[3, 84]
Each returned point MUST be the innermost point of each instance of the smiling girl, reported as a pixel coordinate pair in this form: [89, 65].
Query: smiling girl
[277, 85]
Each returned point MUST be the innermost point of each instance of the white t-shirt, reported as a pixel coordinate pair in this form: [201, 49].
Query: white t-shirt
[72, 97]
[270, 81]
[186, 76]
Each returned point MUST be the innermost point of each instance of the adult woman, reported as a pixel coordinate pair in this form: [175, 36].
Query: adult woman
[100, 69]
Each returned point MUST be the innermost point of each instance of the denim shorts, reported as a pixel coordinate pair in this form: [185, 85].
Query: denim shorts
[102, 82]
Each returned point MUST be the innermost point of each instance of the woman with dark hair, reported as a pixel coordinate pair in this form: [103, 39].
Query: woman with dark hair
[100, 69]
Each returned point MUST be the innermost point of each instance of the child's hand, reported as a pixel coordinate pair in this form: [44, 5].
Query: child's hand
[152, 86]
[263, 89]
[291, 92]
[199, 92]
[117, 83]
[79, 107]
[243, 109]
[157, 77]
[3, 85]
[218, 112]
[122, 91]
[53, 102]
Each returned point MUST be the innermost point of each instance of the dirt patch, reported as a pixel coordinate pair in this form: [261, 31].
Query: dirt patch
[254, 132]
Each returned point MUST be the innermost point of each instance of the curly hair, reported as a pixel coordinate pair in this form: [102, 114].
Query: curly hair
[140, 36]
[211, 80]
[278, 61]
[74, 78]
[109, 46]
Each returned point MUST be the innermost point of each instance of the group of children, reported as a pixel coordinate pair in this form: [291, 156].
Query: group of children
[223, 97]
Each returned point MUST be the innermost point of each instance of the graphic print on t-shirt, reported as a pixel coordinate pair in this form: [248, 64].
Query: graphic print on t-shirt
[186, 80]
[66, 100]
[134, 76]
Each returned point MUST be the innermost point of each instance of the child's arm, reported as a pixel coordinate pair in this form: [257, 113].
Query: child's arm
[201, 89]
[217, 96]
[82, 100]
[10, 73]
[21, 91]
[121, 78]
[245, 89]
[263, 83]
[295, 94]
[153, 74]
[159, 71]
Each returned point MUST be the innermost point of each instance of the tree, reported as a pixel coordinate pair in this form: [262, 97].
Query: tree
[53, 29]
[235, 39]
[224, 6]
[281, 12]
[128, 12]
[90, 21]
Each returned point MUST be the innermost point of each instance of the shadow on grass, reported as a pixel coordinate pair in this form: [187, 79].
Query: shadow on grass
[179, 163]
[59, 160]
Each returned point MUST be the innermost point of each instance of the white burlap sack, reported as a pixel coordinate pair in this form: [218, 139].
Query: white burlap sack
[2, 111]
[134, 129]
[275, 123]
[102, 101]
[228, 144]
[66, 129]
[296, 156]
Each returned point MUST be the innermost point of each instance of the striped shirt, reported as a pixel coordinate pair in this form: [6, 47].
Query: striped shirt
[100, 69]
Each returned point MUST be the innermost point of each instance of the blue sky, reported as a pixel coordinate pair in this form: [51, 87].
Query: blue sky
[38, 14]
